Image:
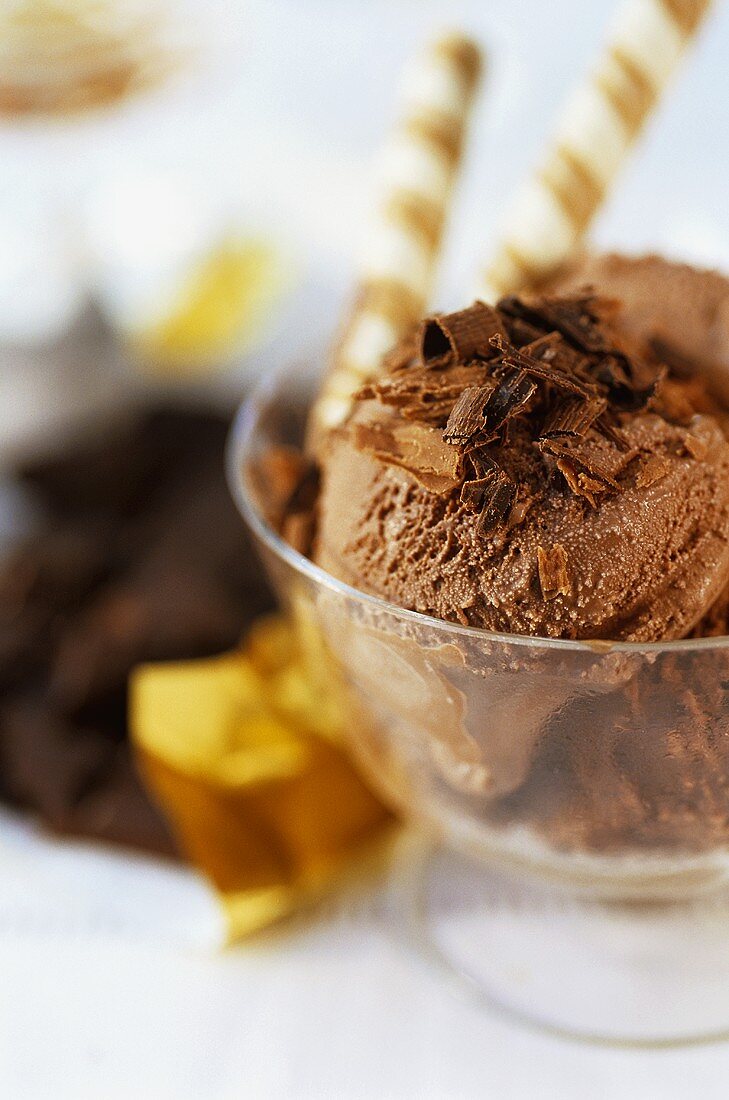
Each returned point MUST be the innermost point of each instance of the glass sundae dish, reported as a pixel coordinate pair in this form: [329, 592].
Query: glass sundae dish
[519, 557]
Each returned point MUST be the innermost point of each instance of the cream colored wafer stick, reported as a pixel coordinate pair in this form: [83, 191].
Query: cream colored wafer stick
[602, 120]
[417, 170]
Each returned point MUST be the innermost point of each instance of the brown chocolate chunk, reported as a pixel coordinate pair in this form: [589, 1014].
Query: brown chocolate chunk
[512, 393]
[644, 385]
[481, 462]
[46, 761]
[553, 574]
[580, 482]
[475, 493]
[651, 470]
[575, 318]
[424, 395]
[497, 504]
[120, 811]
[605, 426]
[467, 416]
[573, 416]
[460, 337]
[518, 358]
[584, 474]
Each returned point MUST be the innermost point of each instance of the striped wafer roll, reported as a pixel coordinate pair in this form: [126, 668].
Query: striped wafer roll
[415, 177]
[601, 122]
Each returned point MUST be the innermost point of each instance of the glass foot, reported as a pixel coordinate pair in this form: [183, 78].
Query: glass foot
[649, 974]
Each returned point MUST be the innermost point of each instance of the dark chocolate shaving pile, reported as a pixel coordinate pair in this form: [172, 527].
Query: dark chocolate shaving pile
[140, 556]
[551, 367]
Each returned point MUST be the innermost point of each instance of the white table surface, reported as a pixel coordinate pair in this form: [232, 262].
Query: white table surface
[334, 1006]
[110, 984]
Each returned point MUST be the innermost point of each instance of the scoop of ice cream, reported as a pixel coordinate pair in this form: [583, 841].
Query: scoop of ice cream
[517, 470]
[551, 511]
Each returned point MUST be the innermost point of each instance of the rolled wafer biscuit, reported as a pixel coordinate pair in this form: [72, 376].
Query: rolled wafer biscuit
[598, 127]
[415, 177]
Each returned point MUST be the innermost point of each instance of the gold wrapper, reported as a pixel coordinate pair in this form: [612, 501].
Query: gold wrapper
[242, 753]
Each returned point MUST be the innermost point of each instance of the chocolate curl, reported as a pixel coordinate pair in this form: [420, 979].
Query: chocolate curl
[573, 416]
[509, 397]
[412, 392]
[520, 359]
[460, 337]
[600, 124]
[467, 416]
[497, 507]
[418, 169]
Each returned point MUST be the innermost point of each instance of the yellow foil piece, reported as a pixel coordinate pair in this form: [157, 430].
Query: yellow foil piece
[241, 753]
[220, 310]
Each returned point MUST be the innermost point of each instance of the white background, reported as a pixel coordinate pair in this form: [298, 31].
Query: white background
[106, 986]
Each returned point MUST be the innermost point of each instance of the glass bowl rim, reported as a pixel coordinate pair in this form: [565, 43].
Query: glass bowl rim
[237, 450]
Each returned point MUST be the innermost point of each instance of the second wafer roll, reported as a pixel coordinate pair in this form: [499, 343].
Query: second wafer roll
[601, 122]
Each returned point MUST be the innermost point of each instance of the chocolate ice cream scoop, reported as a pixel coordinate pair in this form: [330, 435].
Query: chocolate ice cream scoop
[528, 470]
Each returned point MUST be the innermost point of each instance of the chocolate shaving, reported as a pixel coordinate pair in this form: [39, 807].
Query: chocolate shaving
[521, 332]
[573, 317]
[585, 476]
[475, 493]
[651, 470]
[510, 396]
[518, 358]
[467, 416]
[552, 348]
[580, 457]
[643, 385]
[612, 373]
[497, 506]
[573, 416]
[580, 482]
[424, 395]
[460, 337]
[553, 574]
[481, 463]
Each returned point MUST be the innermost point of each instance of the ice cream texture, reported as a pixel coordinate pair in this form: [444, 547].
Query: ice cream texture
[544, 467]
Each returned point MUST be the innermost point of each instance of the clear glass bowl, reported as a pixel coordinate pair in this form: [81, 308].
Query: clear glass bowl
[580, 791]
